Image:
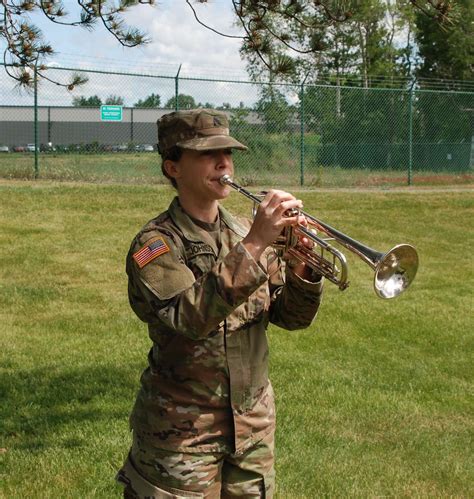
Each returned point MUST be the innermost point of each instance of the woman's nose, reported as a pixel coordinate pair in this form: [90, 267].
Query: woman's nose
[223, 159]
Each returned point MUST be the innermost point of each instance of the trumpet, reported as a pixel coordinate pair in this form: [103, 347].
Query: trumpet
[394, 270]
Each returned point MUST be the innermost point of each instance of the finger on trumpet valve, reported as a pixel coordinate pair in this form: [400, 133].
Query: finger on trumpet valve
[305, 241]
[292, 212]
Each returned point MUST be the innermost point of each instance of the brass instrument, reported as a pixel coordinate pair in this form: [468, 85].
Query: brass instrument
[394, 270]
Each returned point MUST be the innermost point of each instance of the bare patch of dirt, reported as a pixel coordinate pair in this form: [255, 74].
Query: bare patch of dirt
[419, 180]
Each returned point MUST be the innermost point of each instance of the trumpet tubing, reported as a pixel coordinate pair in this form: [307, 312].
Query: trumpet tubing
[394, 270]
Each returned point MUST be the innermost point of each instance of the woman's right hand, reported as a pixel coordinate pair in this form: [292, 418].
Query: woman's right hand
[271, 218]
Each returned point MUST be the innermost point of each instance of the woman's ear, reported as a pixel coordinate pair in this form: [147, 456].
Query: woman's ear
[172, 168]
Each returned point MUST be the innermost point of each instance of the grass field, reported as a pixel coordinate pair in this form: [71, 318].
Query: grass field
[375, 399]
[140, 168]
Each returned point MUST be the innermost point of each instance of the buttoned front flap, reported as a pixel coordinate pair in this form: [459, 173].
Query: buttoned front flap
[256, 307]
[165, 274]
[200, 258]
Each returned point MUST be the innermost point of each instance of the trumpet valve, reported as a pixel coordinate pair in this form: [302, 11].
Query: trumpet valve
[292, 212]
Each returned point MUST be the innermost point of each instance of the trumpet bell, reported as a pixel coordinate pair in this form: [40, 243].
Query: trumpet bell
[395, 271]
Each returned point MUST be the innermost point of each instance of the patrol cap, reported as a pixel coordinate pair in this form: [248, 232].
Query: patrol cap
[197, 129]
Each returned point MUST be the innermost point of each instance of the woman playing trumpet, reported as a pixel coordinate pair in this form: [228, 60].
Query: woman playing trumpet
[207, 283]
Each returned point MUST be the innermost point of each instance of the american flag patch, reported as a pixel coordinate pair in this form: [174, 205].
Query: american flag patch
[150, 251]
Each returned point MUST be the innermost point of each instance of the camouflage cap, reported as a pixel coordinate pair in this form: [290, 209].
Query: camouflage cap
[197, 129]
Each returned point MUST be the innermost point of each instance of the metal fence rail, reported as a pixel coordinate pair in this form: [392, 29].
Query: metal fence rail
[313, 135]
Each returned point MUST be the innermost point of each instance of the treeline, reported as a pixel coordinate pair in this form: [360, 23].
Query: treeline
[349, 126]
[361, 128]
[151, 101]
[339, 114]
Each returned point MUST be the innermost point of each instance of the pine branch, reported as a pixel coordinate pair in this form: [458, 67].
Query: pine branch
[26, 50]
[196, 17]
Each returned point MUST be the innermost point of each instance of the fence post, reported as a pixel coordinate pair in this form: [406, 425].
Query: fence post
[302, 130]
[176, 89]
[36, 118]
[410, 135]
[49, 125]
[302, 135]
[131, 125]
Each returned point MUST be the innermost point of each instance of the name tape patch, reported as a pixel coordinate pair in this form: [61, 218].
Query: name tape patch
[154, 248]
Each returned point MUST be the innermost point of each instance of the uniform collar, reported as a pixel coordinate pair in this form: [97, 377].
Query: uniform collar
[194, 233]
[232, 223]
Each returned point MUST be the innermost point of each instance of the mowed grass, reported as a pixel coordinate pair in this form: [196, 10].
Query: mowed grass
[144, 168]
[375, 399]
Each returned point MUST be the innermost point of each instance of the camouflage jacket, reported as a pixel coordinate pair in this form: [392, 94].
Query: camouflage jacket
[206, 387]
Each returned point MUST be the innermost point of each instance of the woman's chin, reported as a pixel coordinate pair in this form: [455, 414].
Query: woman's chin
[221, 191]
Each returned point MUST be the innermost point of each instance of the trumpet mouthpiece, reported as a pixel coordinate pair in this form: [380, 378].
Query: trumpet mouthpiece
[225, 179]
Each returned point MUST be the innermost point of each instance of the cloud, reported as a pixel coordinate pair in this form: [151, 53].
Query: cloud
[176, 39]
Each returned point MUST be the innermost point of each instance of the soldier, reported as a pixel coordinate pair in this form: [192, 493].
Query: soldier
[207, 284]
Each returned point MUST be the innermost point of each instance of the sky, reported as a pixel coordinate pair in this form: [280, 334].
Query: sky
[176, 40]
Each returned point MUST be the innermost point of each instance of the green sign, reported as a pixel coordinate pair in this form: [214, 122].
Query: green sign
[111, 113]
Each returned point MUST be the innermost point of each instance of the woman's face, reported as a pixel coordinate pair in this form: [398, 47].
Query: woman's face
[197, 173]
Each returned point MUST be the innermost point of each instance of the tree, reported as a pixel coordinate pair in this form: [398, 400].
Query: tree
[93, 101]
[96, 101]
[274, 109]
[114, 100]
[27, 51]
[184, 102]
[280, 36]
[356, 45]
[153, 100]
[447, 51]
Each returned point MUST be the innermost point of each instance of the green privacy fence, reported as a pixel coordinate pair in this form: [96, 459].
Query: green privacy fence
[310, 135]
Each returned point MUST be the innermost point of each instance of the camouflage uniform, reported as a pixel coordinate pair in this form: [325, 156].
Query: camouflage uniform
[205, 400]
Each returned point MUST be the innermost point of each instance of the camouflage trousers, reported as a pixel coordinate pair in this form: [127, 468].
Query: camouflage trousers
[150, 472]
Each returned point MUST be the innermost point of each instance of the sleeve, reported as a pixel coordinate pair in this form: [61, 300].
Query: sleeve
[165, 291]
[294, 301]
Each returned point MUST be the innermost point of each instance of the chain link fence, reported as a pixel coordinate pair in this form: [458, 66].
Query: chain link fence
[309, 135]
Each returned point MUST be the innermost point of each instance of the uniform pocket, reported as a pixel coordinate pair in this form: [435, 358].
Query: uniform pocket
[136, 484]
[201, 263]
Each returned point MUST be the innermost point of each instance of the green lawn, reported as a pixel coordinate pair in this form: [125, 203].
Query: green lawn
[270, 169]
[375, 399]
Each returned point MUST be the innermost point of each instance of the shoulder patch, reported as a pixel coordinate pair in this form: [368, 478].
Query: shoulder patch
[152, 249]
